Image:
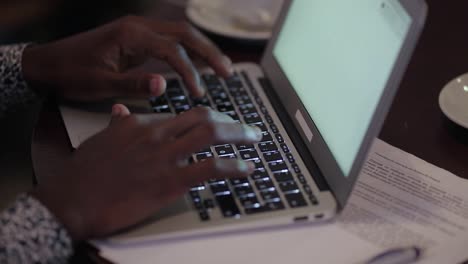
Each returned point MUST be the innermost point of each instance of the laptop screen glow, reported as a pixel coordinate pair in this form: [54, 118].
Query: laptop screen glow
[338, 55]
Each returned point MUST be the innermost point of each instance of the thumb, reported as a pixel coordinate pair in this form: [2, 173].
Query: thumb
[138, 84]
[119, 111]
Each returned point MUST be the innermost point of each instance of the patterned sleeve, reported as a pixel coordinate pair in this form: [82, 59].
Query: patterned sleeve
[14, 92]
[29, 233]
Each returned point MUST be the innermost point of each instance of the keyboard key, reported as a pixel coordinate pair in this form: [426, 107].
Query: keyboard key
[259, 175]
[288, 187]
[216, 181]
[233, 115]
[219, 96]
[204, 156]
[209, 203]
[263, 109]
[238, 93]
[181, 103]
[225, 107]
[211, 81]
[228, 205]
[204, 216]
[285, 148]
[242, 100]
[229, 156]
[269, 120]
[274, 128]
[198, 187]
[198, 205]
[248, 154]
[247, 109]
[244, 147]
[258, 164]
[239, 181]
[244, 190]
[301, 178]
[307, 189]
[266, 136]
[162, 109]
[224, 150]
[295, 200]
[262, 127]
[267, 146]
[290, 158]
[296, 168]
[264, 185]
[201, 101]
[255, 210]
[279, 138]
[249, 201]
[313, 199]
[283, 176]
[195, 195]
[272, 156]
[204, 150]
[175, 97]
[220, 189]
[158, 101]
[278, 166]
[183, 108]
[274, 205]
[252, 118]
[270, 195]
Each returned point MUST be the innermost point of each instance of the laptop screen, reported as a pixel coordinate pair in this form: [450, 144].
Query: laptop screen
[338, 55]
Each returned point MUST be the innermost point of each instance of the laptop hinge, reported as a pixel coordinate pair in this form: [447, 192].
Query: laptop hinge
[293, 133]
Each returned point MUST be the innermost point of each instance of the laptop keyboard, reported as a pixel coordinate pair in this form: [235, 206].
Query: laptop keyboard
[277, 182]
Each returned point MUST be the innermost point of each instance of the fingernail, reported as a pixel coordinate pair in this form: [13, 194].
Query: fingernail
[254, 133]
[116, 111]
[228, 64]
[157, 86]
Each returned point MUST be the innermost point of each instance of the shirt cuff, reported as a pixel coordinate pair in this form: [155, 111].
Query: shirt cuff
[29, 233]
[14, 91]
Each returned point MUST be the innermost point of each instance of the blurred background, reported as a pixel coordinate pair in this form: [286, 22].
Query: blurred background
[45, 20]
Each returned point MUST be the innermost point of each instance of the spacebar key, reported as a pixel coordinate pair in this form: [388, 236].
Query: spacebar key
[228, 205]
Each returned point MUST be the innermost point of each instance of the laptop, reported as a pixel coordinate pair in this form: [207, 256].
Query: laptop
[320, 96]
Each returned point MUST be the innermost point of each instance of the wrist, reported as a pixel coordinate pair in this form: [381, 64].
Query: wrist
[34, 69]
[63, 212]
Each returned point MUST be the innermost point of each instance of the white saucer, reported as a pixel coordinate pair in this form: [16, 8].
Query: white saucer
[240, 19]
[453, 100]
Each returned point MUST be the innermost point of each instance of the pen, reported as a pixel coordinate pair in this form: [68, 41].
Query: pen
[405, 255]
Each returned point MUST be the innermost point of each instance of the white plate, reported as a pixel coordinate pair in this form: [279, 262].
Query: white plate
[453, 100]
[240, 19]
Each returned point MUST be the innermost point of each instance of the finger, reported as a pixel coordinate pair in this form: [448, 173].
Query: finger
[212, 133]
[214, 169]
[186, 121]
[200, 45]
[137, 84]
[195, 41]
[139, 40]
[119, 111]
[176, 56]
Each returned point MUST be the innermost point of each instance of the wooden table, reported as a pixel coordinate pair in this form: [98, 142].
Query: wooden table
[415, 123]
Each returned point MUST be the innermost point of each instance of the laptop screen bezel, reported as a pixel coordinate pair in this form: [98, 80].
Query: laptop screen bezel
[340, 185]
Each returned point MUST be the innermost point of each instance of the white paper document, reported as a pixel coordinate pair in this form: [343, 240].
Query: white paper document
[399, 200]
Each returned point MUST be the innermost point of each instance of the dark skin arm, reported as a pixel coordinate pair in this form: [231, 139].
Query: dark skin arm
[137, 165]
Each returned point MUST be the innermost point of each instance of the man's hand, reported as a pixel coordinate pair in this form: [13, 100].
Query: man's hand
[98, 64]
[137, 166]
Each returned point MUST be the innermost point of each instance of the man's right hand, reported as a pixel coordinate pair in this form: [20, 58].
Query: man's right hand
[137, 166]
